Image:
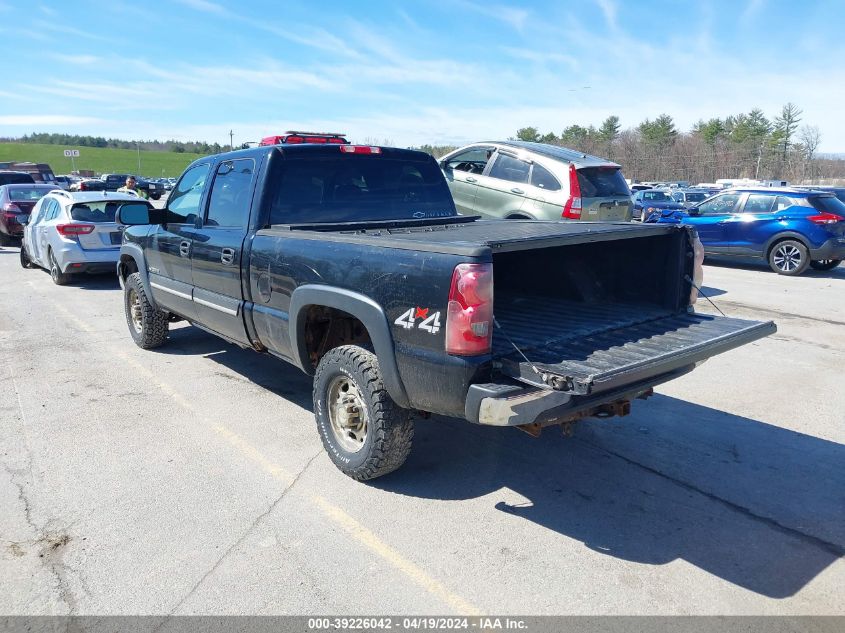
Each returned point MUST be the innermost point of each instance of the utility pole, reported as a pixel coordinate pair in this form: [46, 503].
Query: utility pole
[231, 140]
[138, 145]
[759, 158]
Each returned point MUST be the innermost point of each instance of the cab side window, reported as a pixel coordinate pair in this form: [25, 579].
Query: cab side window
[542, 178]
[759, 203]
[473, 160]
[184, 202]
[231, 194]
[510, 169]
[720, 205]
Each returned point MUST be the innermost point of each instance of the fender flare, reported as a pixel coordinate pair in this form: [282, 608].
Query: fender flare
[133, 251]
[785, 235]
[362, 308]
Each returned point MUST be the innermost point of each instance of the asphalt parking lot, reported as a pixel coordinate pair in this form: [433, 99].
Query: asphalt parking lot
[191, 479]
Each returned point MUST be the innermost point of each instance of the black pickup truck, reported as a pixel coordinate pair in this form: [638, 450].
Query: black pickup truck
[113, 182]
[351, 263]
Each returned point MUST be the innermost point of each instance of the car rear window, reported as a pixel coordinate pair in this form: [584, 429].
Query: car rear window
[359, 189]
[650, 195]
[696, 197]
[94, 211]
[14, 179]
[828, 204]
[600, 182]
[27, 194]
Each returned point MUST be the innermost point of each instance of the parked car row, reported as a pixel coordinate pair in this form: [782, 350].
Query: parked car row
[791, 229]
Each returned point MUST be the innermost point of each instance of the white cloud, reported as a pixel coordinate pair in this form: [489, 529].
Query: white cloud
[608, 8]
[752, 9]
[26, 120]
[205, 5]
[516, 18]
[76, 60]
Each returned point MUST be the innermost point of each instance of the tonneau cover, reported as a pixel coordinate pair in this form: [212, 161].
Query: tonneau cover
[479, 238]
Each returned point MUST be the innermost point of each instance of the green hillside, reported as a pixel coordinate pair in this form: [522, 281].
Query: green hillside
[99, 159]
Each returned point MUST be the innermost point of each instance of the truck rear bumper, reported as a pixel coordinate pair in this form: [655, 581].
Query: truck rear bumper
[515, 404]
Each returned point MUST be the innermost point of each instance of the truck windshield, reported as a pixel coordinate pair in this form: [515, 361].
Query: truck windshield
[359, 189]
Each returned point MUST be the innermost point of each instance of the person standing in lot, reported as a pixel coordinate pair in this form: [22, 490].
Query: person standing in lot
[131, 186]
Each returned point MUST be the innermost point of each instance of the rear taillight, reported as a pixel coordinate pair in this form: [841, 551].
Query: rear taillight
[359, 149]
[825, 218]
[572, 208]
[11, 209]
[469, 314]
[72, 230]
[83, 186]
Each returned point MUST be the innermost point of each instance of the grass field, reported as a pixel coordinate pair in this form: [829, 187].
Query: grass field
[100, 159]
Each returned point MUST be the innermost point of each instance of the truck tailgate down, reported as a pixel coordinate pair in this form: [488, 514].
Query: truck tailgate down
[589, 348]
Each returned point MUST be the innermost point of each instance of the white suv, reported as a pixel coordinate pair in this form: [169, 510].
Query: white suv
[74, 232]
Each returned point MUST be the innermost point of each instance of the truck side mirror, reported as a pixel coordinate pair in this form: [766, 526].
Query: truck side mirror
[693, 211]
[134, 214]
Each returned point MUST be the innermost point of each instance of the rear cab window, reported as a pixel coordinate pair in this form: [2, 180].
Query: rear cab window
[602, 182]
[358, 188]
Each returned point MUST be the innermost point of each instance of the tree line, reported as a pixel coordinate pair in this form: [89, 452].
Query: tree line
[195, 147]
[744, 145]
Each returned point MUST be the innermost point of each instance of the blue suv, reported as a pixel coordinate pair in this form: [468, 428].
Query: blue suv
[791, 229]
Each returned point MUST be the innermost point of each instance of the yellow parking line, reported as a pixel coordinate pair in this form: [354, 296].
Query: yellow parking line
[332, 512]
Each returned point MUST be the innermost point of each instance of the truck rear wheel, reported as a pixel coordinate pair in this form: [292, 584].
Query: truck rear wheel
[365, 433]
[147, 325]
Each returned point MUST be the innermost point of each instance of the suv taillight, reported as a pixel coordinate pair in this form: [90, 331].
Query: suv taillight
[72, 230]
[825, 218]
[11, 209]
[572, 208]
[469, 313]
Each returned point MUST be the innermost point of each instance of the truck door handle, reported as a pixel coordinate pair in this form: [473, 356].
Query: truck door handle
[184, 248]
[517, 190]
[227, 255]
[471, 179]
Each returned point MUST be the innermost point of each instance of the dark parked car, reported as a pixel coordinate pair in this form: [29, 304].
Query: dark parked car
[15, 177]
[15, 200]
[648, 201]
[689, 197]
[114, 182]
[89, 184]
[790, 228]
[352, 263]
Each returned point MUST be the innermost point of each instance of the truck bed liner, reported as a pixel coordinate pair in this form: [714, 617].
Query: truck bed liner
[586, 348]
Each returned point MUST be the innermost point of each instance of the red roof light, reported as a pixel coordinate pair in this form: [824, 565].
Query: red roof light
[360, 149]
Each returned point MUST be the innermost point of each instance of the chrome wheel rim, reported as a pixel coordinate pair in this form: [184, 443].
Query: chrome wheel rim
[347, 414]
[787, 258]
[54, 268]
[135, 314]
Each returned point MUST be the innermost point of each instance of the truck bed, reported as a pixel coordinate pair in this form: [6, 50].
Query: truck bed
[588, 348]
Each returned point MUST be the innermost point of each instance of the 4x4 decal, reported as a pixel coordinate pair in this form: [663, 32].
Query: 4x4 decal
[408, 320]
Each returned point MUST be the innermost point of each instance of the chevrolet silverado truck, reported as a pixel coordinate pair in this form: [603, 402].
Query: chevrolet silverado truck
[351, 263]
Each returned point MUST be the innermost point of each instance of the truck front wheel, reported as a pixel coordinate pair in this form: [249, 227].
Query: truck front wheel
[147, 325]
[365, 433]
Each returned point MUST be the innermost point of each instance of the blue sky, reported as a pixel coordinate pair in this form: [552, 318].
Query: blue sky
[437, 71]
